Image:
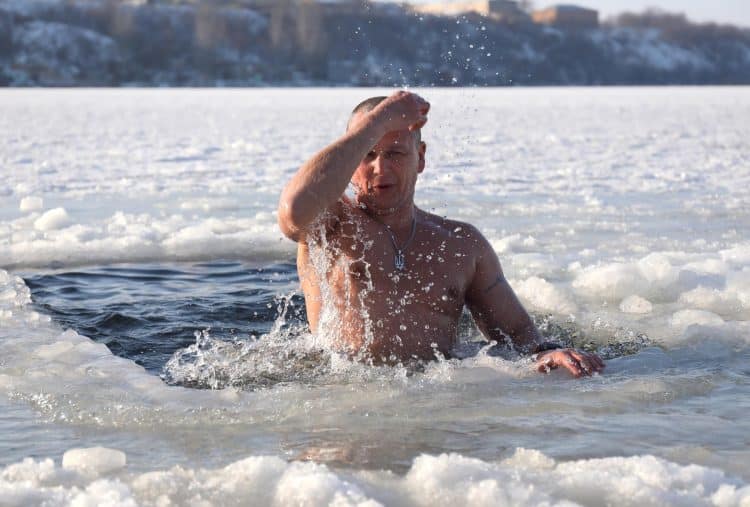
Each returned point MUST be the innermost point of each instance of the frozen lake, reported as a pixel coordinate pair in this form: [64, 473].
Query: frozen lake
[130, 219]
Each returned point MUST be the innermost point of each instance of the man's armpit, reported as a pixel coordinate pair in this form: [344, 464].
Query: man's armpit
[326, 226]
[342, 222]
[498, 280]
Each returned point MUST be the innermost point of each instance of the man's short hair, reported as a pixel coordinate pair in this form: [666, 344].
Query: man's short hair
[368, 105]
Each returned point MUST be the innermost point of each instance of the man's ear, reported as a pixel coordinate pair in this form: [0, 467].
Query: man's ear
[421, 153]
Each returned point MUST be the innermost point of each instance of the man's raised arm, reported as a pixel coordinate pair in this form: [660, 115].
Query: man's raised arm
[498, 313]
[322, 180]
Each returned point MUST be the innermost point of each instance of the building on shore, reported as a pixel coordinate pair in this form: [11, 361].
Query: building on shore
[567, 16]
[292, 24]
[507, 11]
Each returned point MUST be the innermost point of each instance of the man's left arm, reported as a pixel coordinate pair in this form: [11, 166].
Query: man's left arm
[499, 314]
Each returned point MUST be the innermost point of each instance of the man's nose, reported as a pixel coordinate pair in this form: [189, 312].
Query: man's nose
[380, 163]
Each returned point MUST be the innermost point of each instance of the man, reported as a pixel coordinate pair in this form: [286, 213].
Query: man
[385, 281]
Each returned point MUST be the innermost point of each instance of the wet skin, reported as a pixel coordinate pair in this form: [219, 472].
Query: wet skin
[346, 254]
[412, 313]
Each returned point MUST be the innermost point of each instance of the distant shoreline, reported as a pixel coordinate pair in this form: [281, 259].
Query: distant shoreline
[163, 44]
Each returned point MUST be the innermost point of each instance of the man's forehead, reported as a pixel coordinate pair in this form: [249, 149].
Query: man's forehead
[396, 138]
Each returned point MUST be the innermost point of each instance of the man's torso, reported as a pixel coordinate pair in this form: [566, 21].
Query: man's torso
[351, 283]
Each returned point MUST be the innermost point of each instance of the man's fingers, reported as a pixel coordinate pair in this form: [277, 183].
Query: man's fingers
[596, 361]
[578, 363]
[588, 362]
[419, 124]
[546, 365]
[573, 366]
[424, 106]
[546, 362]
[404, 109]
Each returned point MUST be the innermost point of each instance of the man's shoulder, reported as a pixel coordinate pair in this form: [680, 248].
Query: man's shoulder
[453, 229]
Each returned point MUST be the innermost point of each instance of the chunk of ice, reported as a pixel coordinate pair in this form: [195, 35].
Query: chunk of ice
[31, 203]
[683, 319]
[94, 460]
[52, 220]
[636, 304]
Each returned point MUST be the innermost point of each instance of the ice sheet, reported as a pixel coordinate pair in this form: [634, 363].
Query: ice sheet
[621, 212]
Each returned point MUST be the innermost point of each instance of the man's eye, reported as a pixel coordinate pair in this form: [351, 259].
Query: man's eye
[371, 155]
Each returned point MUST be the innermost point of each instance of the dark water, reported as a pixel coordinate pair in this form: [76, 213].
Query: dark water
[146, 312]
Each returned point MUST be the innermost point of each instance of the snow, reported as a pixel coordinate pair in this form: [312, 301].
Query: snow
[525, 478]
[622, 211]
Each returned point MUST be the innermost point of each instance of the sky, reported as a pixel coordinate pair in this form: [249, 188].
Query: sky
[736, 12]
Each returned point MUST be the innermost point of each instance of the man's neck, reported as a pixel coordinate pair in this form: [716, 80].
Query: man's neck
[398, 220]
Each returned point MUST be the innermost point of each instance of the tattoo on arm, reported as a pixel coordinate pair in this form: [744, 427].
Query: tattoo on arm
[494, 284]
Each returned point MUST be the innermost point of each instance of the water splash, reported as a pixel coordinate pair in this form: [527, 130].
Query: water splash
[287, 353]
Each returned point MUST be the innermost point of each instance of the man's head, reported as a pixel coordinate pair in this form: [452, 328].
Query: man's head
[385, 179]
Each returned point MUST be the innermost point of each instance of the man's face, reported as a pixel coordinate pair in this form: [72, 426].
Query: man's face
[386, 177]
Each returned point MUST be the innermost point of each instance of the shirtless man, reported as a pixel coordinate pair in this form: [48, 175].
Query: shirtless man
[396, 278]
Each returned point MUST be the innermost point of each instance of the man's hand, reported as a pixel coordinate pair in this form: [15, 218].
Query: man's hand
[577, 362]
[402, 110]
[321, 181]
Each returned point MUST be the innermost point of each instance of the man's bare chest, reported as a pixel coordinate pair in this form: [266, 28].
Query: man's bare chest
[434, 273]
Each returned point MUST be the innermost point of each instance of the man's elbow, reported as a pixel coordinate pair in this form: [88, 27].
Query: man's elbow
[289, 223]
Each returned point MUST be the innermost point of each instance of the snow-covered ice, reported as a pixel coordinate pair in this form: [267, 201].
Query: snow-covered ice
[623, 213]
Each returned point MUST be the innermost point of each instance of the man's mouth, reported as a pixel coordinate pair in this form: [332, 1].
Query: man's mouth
[381, 186]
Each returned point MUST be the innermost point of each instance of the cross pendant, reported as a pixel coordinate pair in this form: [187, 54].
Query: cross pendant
[399, 260]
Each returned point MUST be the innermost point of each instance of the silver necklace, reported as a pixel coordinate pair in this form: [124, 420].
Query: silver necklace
[399, 260]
